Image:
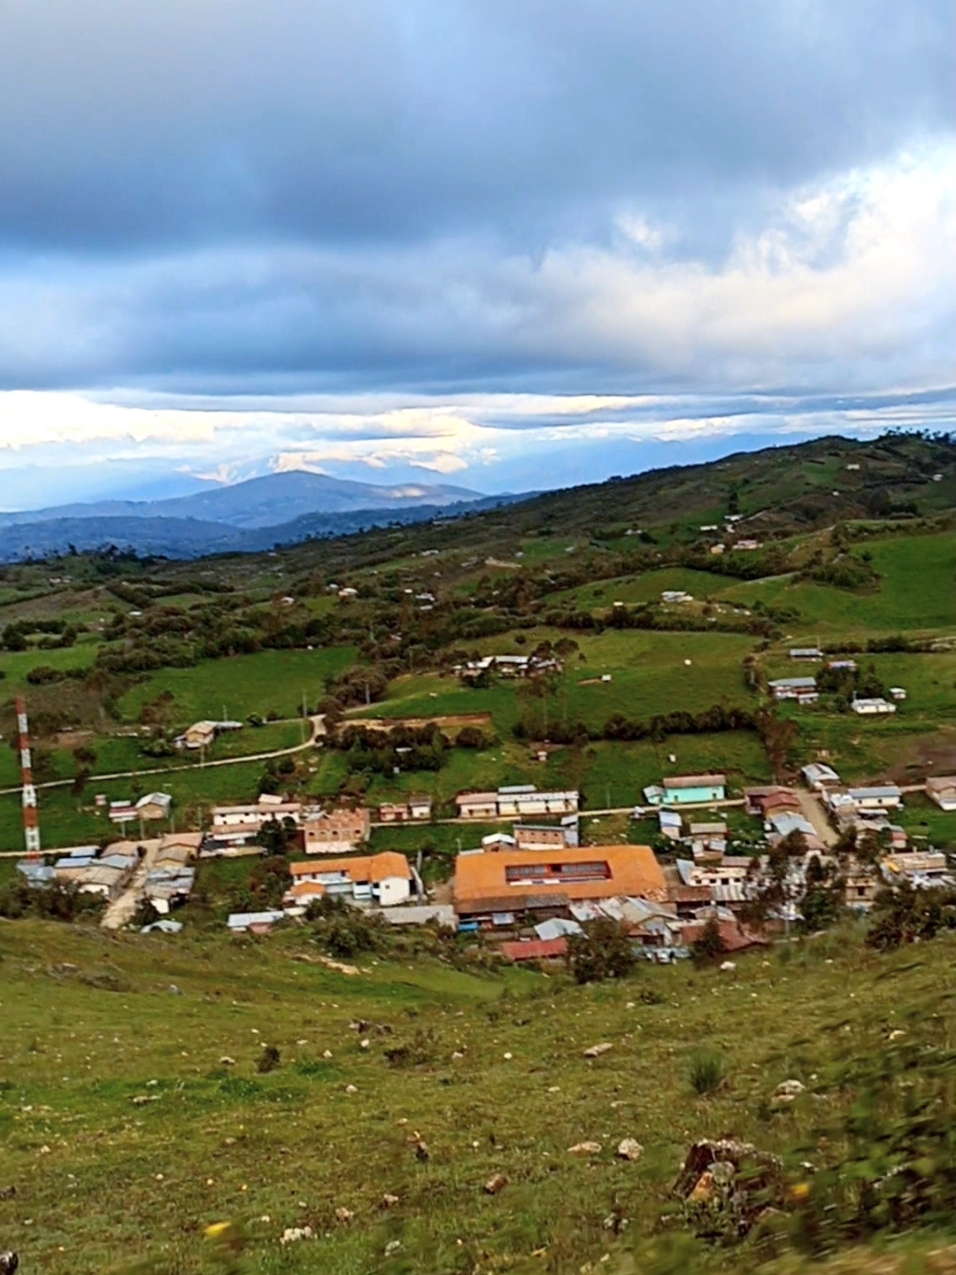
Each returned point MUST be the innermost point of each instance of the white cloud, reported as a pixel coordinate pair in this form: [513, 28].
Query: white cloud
[845, 288]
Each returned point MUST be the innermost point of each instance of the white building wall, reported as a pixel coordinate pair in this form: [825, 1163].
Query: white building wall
[393, 890]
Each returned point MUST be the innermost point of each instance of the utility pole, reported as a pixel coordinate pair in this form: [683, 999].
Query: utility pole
[31, 822]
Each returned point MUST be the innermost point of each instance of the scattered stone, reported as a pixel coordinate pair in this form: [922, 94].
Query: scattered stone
[585, 1148]
[703, 1189]
[421, 1150]
[629, 1149]
[389, 1201]
[293, 1233]
[326, 1053]
[457, 1055]
[339, 966]
[728, 966]
[897, 1033]
[343, 1214]
[787, 1090]
[496, 1183]
[351, 1089]
[9, 1262]
[731, 1178]
[507, 1057]
[364, 1044]
[226, 1061]
[174, 990]
[616, 1223]
[392, 1247]
[8, 1192]
[44, 1150]
[596, 1051]
[142, 1098]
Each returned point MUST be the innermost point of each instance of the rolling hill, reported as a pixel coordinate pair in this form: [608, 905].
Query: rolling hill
[777, 491]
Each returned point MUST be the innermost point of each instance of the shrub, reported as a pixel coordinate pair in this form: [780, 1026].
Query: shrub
[903, 915]
[343, 930]
[706, 1071]
[424, 1047]
[269, 1059]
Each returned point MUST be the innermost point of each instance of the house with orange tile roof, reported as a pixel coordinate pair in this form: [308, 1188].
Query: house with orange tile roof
[384, 879]
[489, 886]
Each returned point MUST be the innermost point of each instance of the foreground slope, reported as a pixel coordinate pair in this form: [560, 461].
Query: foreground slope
[133, 1114]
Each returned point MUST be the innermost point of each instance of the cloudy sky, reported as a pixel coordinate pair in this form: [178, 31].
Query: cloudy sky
[501, 243]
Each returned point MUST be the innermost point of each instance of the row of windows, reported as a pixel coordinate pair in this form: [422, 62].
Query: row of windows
[557, 871]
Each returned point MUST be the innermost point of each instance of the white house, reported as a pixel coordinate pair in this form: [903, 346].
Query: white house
[872, 707]
[817, 775]
[877, 797]
[942, 790]
[801, 689]
[384, 879]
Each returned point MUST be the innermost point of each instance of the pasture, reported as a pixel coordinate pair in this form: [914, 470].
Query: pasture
[134, 1113]
[263, 683]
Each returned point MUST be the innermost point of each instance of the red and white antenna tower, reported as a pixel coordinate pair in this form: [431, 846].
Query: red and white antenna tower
[31, 824]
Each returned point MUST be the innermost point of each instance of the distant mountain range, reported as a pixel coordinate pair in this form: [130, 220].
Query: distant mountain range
[260, 502]
[245, 518]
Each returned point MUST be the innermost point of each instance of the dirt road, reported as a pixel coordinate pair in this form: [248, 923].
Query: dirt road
[812, 810]
[318, 732]
[123, 908]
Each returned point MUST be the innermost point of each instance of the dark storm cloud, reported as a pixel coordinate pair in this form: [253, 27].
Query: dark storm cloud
[130, 124]
[394, 236]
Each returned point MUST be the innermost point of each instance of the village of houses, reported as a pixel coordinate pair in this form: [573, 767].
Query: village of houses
[532, 885]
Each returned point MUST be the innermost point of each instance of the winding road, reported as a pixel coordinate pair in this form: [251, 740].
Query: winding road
[318, 731]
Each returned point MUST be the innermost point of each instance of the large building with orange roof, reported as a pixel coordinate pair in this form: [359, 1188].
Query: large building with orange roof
[384, 879]
[489, 886]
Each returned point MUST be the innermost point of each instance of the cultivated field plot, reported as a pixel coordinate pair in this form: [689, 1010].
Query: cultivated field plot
[134, 1115]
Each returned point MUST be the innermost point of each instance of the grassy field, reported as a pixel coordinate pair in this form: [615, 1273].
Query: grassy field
[62, 823]
[116, 753]
[15, 665]
[606, 773]
[126, 1133]
[919, 739]
[922, 818]
[917, 591]
[649, 674]
[269, 681]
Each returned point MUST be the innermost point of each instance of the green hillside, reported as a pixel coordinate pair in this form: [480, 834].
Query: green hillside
[117, 655]
[134, 1114]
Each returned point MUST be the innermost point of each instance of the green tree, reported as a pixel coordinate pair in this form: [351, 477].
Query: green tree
[603, 951]
[710, 947]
